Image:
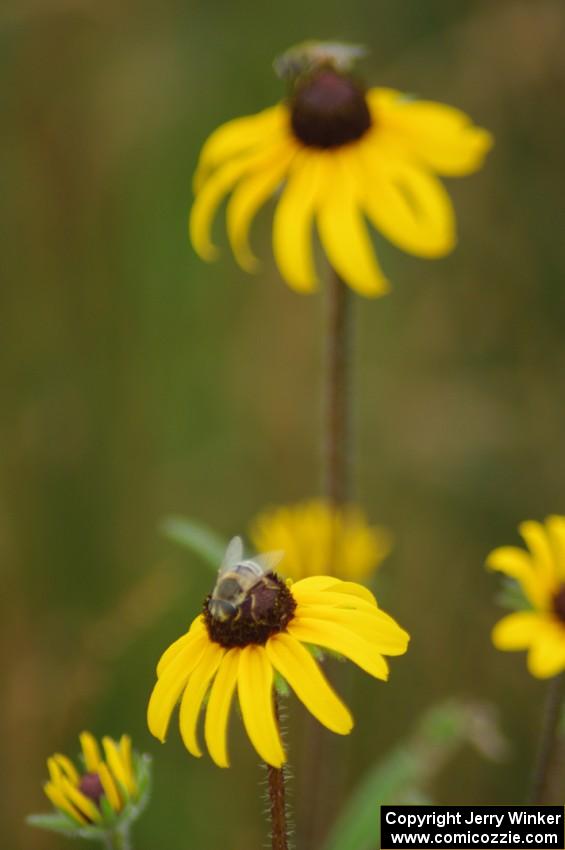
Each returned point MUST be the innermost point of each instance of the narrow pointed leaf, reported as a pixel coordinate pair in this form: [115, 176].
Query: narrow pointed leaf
[197, 537]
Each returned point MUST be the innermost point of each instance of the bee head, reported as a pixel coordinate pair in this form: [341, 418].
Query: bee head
[221, 609]
[309, 56]
[228, 588]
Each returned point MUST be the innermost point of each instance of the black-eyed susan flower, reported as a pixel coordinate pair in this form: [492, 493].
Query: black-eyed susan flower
[255, 626]
[340, 154]
[319, 538]
[540, 574]
[102, 796]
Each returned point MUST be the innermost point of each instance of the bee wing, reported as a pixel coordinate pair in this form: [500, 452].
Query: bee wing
[233, 555]
[269, 561]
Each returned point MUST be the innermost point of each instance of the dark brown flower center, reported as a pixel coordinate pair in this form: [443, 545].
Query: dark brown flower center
[266, 609]
[328, 109]
[559, 603]
[91, 787]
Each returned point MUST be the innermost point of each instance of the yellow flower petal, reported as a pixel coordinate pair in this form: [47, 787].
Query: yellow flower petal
[255, 690]
[537, 541]
[194, 694]
[109, 786]
[516, 631]
[298, 668]
[440, 136]
[339, 639]
[55, 772]
[517, 564]
[546, 657]
[127, 761]
[293, 220]
[343, 231]
[313, 584]
[207, 200]
[237, 136]
[59, 800]
[218, 709]
[408, 205]
[67, 767]
[170, 684]
[116, 764]
[338, 600]
[81, 802]
[173, 650]
[556, 530]
[246, 200]
[278, 529]
[351, 588]
[377, 628]
[90, 751]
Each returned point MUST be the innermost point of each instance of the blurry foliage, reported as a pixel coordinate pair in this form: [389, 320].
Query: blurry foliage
[404, 776]
[197, 538]
[138, 382]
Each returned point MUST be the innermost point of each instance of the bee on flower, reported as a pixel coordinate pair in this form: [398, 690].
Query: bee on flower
[255, 626]
[340, 154]
[539, 573]
[101, 797]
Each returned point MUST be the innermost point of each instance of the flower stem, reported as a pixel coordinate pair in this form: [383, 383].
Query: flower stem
[279, 829]
[548, 742]
[322, 783]
[118, 839]
[337, 412]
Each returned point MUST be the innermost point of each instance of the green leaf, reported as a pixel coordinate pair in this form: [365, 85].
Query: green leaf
[196, 537]
[142, 769]
[108, 812]
[512, 596]
[64, 825]
[405, 774]
[55, 822]
[281, 685]
[357, 828]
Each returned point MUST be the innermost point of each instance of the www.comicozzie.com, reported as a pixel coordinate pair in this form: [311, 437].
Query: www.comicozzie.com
[472, 826]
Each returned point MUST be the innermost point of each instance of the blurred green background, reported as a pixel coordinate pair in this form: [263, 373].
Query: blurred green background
[138, 381]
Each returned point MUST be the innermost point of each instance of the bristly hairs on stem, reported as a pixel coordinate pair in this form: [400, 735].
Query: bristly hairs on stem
[278, 808]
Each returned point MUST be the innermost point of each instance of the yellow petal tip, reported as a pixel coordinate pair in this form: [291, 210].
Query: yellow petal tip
[302, 287]
[485, 142]
[383, 288]
[249, 263]
[490, 560]
[208, 253]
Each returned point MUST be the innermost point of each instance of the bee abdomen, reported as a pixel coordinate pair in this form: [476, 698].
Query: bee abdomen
[260, 600]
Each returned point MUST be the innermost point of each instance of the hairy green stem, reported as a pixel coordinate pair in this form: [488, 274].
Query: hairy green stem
[118, 839]
[549, 740]
[277, 798]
